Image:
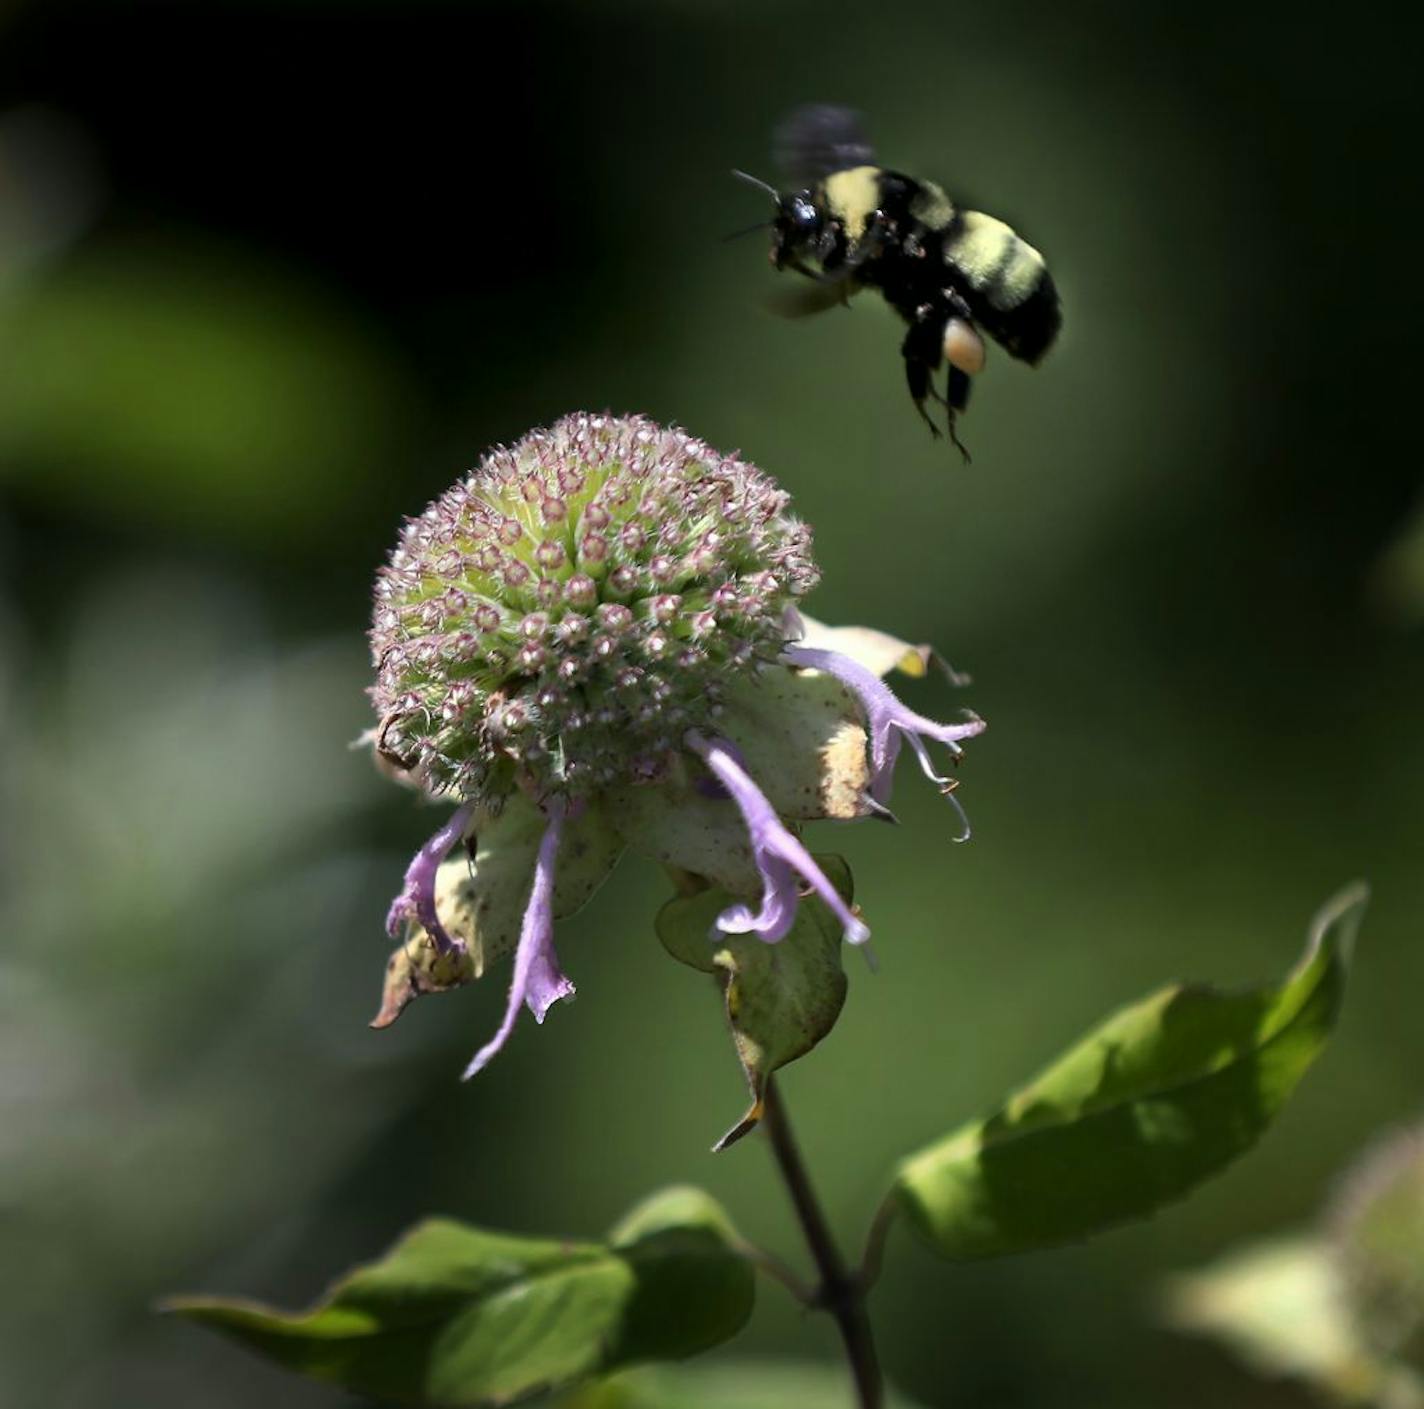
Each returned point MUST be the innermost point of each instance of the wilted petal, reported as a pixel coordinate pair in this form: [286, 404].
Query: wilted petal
[538, 982]
[683, 826]
[417, 897]
[801, 732]
[878, 651]
[780, 857]
[777, 914]
[888, 720]
[481, 896]
[415, 967]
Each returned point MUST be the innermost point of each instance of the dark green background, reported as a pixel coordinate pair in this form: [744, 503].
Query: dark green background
[273, 275]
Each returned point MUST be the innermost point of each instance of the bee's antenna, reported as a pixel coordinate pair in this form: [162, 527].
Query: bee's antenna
[737, 234]
[758, 183]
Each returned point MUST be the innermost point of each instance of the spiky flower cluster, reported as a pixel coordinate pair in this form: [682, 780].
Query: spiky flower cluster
[592, 643]
[567, 612]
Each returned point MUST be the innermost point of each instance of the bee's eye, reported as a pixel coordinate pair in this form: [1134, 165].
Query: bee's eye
[804, 219]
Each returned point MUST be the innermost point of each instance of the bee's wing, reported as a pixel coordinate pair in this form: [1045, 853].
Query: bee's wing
[820, 138]
[804, 300]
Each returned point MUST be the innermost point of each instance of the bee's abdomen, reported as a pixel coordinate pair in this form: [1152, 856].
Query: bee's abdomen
[1006, 283]
[1028, 329]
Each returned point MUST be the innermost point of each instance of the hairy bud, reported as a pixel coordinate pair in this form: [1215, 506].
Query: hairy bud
[517, 619]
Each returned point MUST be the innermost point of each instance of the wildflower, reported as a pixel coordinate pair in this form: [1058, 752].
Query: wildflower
[591, 644]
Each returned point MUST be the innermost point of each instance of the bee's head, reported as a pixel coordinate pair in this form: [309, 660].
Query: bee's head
[796, 225]
[796, 228]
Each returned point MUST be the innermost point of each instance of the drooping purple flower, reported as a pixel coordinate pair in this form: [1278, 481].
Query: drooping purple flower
[417, 896]
[780, 857]
[538, 981]
[888, 722]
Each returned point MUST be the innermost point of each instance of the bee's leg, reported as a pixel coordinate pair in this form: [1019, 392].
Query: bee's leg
[921, 352]
[958, 388]
[917, 374]
[956, 399]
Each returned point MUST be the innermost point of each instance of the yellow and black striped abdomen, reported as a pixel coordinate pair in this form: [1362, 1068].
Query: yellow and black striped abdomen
[1006, 283]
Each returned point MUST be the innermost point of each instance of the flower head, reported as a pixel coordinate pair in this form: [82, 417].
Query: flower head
[591, 644]
[563, 615]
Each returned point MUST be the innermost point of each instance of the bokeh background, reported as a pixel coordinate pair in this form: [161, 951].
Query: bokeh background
[272, 275]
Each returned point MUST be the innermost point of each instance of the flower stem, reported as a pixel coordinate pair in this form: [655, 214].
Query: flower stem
[840, 1292]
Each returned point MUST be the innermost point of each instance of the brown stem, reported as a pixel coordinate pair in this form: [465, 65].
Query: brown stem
[840, 1292]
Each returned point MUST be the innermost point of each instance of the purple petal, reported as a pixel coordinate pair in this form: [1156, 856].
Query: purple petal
[417, 896]
[887, 720]
[538, 981]
[779, 856]
[778, 906]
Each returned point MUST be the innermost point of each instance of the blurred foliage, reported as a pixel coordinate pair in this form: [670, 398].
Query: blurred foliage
[749, 1384]
[313, 259]
[1279, 1306]
[1341, 1307]
[1399, 573]
[1377, 1241]
[180, 377]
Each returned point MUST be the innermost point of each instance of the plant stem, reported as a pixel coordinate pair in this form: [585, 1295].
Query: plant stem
[772, 1266]
[840, 1292]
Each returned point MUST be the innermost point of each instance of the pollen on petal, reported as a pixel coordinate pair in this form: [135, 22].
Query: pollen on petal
[888, 721]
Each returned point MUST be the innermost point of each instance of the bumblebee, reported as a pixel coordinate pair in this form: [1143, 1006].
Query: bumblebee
[949, 273]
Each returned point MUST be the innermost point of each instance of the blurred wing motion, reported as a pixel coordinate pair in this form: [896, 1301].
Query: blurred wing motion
[804, 300]
[818, 139]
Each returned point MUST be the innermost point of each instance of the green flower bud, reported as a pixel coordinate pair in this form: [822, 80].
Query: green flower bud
[561, 617]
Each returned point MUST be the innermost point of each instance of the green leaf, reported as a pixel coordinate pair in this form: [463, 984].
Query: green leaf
[1160, 1097]
[455, 1315]
[783, 998]
[749, 1384]
[693, 1289]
